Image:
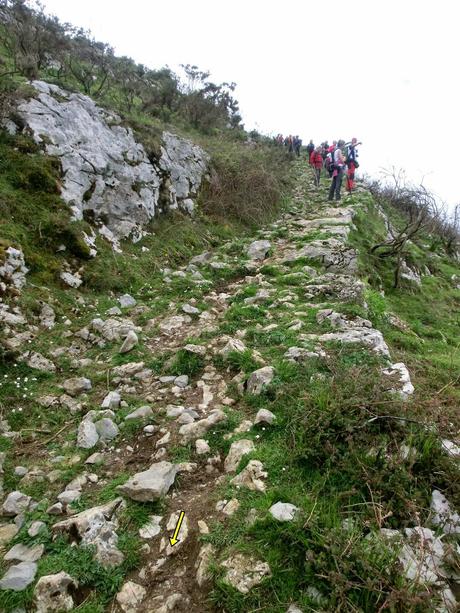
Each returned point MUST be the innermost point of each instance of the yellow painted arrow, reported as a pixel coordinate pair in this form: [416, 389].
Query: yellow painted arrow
[173, 539]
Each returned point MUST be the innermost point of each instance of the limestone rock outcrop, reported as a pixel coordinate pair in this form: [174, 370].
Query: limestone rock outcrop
[105, 170]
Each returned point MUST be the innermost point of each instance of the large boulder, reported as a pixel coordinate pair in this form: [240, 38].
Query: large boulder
[105, 170]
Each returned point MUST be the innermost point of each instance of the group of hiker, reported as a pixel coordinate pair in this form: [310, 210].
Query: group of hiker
[292, 143]
[335, 159]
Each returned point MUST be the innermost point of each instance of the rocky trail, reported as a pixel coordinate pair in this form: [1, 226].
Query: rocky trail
[158, 439]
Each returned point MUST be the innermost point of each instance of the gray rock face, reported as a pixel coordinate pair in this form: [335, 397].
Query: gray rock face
[52, 593]
[186, 165]
[19, 576]
[150, 484]
[105, 170]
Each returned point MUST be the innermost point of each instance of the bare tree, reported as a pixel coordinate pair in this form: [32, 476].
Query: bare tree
[420, 210]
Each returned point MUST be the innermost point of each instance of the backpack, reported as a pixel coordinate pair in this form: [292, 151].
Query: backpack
[352, 157]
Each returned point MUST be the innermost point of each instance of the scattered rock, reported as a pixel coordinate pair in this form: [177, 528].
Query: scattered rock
[140, 413]
[130, 342]
[283, 511]
[245, 572]
[260, 379]
[72, 280]
[111, 401]
[96, 526]
[54, 593]
[150, 484]
[190, 310]
[233, 344]
[199, 428]
[35, 528]
[202, 563]
[106, 429]
[152, 529]
[7, 533]
[87, 436]
[202, 447]
[38, 362]
[19, 576]
[251, 477]
[443, 516]
[264, 416]
[16, 502]
[130, 597]
[22, 553]
[258, 250]
[76, 386]
[95, 458]
[238, 449]
[126, 301]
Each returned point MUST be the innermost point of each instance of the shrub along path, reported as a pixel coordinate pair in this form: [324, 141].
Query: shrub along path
[263, 427]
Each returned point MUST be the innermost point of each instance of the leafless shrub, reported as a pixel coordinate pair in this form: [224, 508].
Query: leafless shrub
[421, 213]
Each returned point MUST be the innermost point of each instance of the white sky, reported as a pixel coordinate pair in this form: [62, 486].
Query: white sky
[386, 72]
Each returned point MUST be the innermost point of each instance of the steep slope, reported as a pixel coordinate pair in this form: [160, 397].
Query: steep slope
[256, 374]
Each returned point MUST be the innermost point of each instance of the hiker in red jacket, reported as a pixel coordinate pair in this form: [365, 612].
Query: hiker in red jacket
[316, 162]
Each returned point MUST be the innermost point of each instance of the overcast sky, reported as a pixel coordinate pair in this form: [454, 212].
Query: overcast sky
[385, 72]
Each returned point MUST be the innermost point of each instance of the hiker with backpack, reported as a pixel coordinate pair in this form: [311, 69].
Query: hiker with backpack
[352, 163]
[316, 162]
[310, 149]
[329, 161]
[338, 167]
[297, 145]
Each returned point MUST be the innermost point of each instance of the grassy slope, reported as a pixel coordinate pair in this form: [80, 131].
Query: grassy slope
[326, 459]
[317, 456]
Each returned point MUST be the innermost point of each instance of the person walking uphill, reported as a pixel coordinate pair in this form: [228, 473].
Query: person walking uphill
[337, 173]
[310, 149]
[316, 162]
[352, 163]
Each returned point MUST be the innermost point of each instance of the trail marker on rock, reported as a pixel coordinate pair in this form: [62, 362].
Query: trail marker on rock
[173, 540]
